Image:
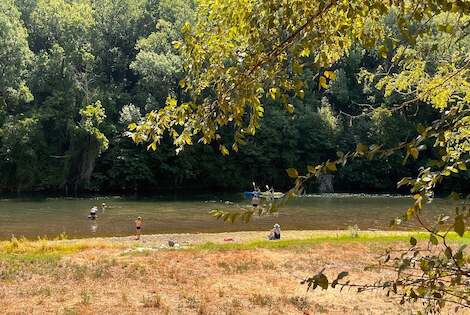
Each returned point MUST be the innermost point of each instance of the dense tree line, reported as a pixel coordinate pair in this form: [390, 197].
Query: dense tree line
[74, 74]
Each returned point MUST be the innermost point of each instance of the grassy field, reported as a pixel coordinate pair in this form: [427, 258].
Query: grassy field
[205, 276]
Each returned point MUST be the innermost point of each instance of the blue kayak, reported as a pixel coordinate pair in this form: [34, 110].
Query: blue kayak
[248, 194]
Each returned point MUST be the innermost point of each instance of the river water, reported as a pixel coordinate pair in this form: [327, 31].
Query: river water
[49, 217]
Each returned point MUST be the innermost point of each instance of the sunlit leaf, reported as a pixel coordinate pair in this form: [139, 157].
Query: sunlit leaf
[292, 172]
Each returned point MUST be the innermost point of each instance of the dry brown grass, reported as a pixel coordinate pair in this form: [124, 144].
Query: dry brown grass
[260, 281]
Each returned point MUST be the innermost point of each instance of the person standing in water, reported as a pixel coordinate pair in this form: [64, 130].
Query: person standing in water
[138, 227]
[256, 195]
[93, 212]
[255, 199]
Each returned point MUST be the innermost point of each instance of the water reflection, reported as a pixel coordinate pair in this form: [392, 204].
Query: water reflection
[94, 227]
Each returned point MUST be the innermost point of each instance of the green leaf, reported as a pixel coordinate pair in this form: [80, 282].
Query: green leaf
[414, 153]
[305, 52]
[214, 212]
[273, 92]
[226, 216]
[433, 239]
[171, 102]
[292, 172]
[132, 126]
[413, 241]
[331, 166]
[152, 146]
[322, 281]
[290, 108]
[362, 148]
[454, 196]
[448, 252]
[383, 52]
[247, 216]
[403, 181]
[322, 83]
[330, 75]
[233, 217]
[311, 169]
[342, 274]
[459, 225]
[223, 149]
[410, 212]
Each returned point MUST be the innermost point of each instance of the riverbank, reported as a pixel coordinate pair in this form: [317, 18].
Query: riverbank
[203, 275]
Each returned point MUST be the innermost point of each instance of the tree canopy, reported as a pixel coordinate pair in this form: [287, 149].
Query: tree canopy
[63, 58]
[241, 56]
[241, 52]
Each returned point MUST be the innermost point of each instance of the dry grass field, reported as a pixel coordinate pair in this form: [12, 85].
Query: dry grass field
[245, 277]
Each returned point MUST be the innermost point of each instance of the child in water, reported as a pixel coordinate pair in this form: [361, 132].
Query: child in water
[138, 227]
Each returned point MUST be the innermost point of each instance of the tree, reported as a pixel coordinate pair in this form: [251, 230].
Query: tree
[70, 54]
[157, 62]
[16, 133]
[119, 24]
[239, 53]
[15, 58]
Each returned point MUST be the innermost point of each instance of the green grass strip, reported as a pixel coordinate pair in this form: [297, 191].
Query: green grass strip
[364, 237]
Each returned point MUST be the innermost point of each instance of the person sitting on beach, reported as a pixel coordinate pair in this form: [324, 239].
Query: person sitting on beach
[275, 233]
[138, 227]
[93, 212]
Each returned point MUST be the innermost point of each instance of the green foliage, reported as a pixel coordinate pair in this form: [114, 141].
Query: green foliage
[93, 116]
[239, 54]
[364, 237]
[15, 57]
[243, 58]
[436, 274]
[130, 55]
[65, 23]
[158, 62]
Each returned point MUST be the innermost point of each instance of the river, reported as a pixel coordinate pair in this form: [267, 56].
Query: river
[49, 217]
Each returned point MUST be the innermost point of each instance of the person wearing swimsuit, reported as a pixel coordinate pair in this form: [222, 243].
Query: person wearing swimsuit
[255, 200]
[138, 227]
[256, 197]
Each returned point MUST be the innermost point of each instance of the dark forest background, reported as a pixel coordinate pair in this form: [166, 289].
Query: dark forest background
[74, 74]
